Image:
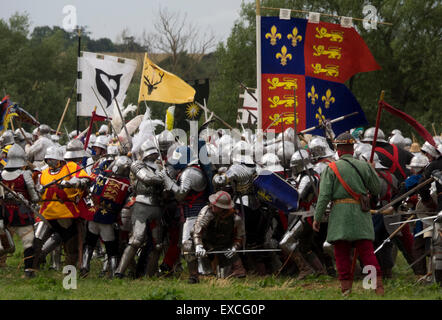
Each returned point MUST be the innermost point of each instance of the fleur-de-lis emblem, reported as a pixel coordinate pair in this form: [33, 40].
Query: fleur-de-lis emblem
[273, 35]
[320, 116]
[328, 98]
[283, 55]
[295, 37]
[313, 95]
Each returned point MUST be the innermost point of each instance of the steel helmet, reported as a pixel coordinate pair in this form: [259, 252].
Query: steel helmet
[165, 140]
[365, 156]
[101, 142]
[55, 153]
[285, 152]
[319, 148]
[369, 135]
[398, 140]
[7, 138]
[148, 148]
[344, 138]
[16, 157]
[419, 161]
[104, 130]
[74, 150]
[222, 200]
[271, 162]
[360, 148]
[428, 148]
[44, 129]
[121, 166]
[300, 161]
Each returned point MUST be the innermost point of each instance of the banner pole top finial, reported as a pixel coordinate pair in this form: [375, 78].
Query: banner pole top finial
[382, 95]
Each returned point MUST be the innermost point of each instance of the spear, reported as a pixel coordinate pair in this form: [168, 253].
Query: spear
[392, 235]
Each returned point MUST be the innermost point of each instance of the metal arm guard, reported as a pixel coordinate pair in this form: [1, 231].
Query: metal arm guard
[203, 220]
[290, 240]
[191, 179]
[305, 186]
[239, 232]
[144, 174]
[30, 186]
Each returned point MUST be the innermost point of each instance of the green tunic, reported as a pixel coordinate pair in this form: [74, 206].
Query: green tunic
[347, 221]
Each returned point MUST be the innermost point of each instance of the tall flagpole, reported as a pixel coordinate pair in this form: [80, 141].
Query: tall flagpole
[258, 62]
[78, 56]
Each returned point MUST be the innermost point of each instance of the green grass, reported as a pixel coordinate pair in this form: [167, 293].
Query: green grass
[48, 285]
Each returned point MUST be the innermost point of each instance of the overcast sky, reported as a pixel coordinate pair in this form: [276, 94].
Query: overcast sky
[107, 18]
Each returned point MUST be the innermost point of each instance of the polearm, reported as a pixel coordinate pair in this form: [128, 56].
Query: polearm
[239, 251]
[413, 220]
[406, 194]
[331, 121]
[392, 235]
[71, 173]
[129, 137]
[22, 200]
[378, 120]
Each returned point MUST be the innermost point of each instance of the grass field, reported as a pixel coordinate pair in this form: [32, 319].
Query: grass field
[48, 285]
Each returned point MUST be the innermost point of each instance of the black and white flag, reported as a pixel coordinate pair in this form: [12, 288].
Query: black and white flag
[108, 76]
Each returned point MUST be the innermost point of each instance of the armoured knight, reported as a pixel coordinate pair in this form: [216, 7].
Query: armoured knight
[62, 185]
[321, 153]
[190, 189]
[109, 191]
[148, 206]
[19, 218]
[36, 153]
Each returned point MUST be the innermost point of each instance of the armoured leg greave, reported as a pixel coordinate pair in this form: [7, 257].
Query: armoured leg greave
[56, 259]
[87, 256]
[113, 264]
[50, 244]
[128, 255]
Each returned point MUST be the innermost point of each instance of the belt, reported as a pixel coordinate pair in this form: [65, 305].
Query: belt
[346, 200]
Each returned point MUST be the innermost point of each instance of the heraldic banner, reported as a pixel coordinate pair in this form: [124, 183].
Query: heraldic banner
[303, 67]
[102, 77]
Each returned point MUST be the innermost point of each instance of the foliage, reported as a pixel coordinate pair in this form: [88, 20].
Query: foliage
[409, 52]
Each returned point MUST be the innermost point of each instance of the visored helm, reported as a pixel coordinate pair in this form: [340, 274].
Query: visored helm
[121, 166]
[165, 140]
[181, 158]
[242, 153]
[369, 135]
[300, 161]
[149, 150]
[74, 150]
[16, 157]
[319, 148]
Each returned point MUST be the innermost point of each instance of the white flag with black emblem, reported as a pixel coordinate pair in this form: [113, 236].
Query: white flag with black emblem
[101, 79]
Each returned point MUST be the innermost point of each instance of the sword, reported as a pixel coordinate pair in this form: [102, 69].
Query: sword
[239, 251]
[331, 121]
[413, 220]
[392, 235]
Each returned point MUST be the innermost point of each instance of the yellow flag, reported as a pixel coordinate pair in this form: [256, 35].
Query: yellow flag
[160, 85]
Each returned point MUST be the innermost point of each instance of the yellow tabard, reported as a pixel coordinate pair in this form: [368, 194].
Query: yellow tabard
[68, 206]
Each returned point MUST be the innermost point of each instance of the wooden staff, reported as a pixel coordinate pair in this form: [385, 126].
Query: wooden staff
[378, 120]
[393, 234]
[66, 108]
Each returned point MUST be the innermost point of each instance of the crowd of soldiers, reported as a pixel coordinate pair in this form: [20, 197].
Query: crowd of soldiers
[147, 213]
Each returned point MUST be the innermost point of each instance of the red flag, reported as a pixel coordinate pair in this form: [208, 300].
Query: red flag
[416, 125]
[94, 118]
[336, 53]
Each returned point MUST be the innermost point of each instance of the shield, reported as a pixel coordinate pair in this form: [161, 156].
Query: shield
[275, 191]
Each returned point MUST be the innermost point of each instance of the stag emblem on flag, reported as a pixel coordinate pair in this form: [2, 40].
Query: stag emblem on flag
[151, 83]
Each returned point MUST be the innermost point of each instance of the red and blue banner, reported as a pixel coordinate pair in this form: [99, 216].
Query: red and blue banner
[303, 68]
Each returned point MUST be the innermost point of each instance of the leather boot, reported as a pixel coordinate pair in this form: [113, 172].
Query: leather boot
[238, 270]
[87, 256]
[346, 287]
[304, 268]
[379, 286]
[193, 271]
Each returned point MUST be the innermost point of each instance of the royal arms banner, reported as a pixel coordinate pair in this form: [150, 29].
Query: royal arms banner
[303, 67]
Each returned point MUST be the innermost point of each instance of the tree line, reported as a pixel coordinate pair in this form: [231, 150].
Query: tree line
[39, 67]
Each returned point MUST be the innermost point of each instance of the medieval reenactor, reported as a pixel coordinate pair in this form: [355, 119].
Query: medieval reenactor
[16, 216]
